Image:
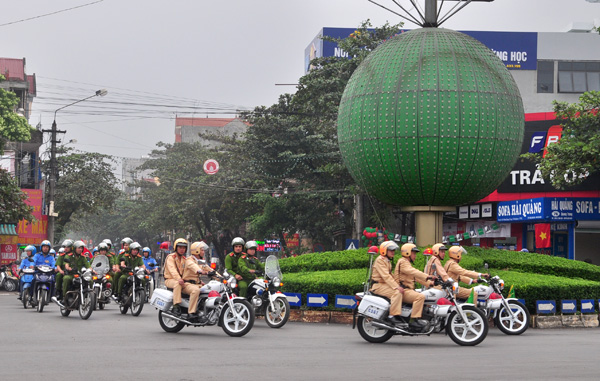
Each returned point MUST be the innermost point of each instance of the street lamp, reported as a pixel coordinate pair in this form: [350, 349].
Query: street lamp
[52, 178]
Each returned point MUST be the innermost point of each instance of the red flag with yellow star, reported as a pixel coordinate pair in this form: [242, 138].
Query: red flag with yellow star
[542, 236]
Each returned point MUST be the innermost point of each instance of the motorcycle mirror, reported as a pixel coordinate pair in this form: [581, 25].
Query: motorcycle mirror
[83, 269]
[201, 261]
[225, 274]
[486, 266]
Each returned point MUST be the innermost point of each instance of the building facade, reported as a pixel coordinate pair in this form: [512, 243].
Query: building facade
[189, 130]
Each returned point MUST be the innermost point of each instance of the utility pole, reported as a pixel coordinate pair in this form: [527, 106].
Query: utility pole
[53, 170]
[52, 179]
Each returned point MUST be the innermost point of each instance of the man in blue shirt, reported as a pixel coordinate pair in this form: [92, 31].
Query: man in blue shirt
[44, 257]
[26, 263]
[147, 260]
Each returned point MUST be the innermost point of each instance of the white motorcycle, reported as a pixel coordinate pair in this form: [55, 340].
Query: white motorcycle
[510, 315]
[465, 324]
[217, 304]
[265, 297]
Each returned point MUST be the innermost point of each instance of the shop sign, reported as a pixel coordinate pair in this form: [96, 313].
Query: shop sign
[521, 210]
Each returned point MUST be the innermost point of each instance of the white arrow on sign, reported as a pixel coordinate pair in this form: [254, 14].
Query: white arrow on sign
[587, 305]
[569, 306]
[315, 300]
[293, 299]
[346, 302]
[545, 307]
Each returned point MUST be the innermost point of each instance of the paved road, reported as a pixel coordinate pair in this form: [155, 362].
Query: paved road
[113, 346]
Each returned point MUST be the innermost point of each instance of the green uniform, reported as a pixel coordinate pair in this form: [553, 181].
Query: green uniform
[117, 261]
[130, 262]
[58, 279]
[76, 262]
[232, 266]
[245, 264]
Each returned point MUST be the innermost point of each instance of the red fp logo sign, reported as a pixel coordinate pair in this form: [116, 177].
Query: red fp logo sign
[211, 166]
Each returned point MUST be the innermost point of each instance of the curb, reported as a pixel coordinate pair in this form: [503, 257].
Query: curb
[565, 321]
[308, 316]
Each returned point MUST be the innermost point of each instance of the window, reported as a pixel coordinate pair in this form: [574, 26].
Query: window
[578, 77]
[545, 77]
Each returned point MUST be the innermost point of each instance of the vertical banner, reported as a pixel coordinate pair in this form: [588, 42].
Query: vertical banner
[8, 253]
[33, 233]
[542, 236]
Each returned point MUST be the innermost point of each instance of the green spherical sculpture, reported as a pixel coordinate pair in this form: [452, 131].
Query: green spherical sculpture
[431, 117]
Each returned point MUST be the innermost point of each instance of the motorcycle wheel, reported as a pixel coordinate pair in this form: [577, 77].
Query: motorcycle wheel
[97, 293]
[86, 306]
[276, 318]
[25, 298]
[138, 305]
[507, 324]
[240, 326]
[41, 297]
[65, 312]
[168, 324]
[10, 285]
[370, 333]
[123, 309]
[471, 333]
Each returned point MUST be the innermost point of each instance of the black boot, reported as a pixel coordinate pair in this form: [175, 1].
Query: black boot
[397, 321]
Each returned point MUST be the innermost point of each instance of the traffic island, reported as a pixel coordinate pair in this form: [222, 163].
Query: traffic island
[309, 316]
[565, 321]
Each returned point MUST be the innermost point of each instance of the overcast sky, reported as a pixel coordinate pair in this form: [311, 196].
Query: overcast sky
[205, 56]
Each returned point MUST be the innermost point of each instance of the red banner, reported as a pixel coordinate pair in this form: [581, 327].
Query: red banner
[33, 233]
[8, 253]
[291, 240]
[542, 236]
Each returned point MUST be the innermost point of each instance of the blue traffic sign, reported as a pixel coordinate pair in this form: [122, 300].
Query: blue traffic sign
[294, 299]
[317, 300]
[351, 244]
[568, 306]
[545, 306]
[587, 306]
[345, 301]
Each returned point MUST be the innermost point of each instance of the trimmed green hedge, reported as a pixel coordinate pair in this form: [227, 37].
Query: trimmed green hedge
[528, 286]
[535, 276]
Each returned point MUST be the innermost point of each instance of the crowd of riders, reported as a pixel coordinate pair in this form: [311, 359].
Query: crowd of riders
[399, 284]
[181, 273]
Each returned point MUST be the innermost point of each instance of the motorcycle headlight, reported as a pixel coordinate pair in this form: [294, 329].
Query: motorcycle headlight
[87, 276]
[501, 284]
[455, 288]
[232, 282]
[276, 282]
[140, 275]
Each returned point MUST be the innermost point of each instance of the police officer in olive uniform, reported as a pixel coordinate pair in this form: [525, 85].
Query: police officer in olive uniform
[67, 249]
[130, 260]
[125, 242]
[248, 264]
[231, 260]
[73, 263]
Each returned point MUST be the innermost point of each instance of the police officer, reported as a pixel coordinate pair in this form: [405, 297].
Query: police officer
[384, 283]
[438, 252]
[456, 272]
[73, 262]
[198, 250]
[248, 264]
[406, 275]
[231, 260]
[103, 250]
[129, 260]
[67, 249]
[173, 272]
[191, 276]
[125, 242]
[26, 263]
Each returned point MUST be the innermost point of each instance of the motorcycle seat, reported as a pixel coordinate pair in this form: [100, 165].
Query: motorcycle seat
[183, 294]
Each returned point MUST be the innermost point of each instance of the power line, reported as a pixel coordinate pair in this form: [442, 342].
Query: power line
[52, 13]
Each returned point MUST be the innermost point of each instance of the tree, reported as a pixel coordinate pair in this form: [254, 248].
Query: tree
[293, 146]
[12, 200]
[570, 161]
[13, 127]
[86, 185]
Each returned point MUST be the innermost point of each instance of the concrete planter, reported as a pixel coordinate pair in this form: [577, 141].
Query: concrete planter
[565, 321]
[338, 317]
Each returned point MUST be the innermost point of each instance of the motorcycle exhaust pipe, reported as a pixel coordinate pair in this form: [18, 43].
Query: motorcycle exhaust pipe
[400, 330]
[178, 318]
[57, 302]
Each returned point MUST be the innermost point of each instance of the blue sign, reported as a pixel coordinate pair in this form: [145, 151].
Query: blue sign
[573, 209]
[521, 210]
[587, 306]
[568, 306]
[317, 300]
[294, 299]
[517, 50]
[345, 301]
[538, 142]
[545, 306]
[351, 244]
